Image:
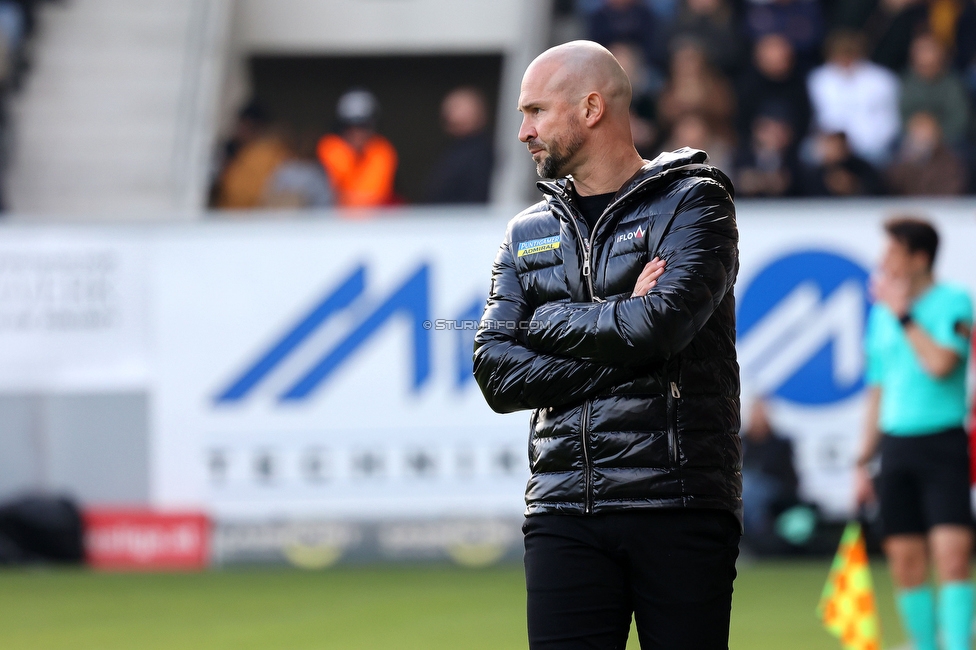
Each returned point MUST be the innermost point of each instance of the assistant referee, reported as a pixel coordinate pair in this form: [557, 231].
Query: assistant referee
[917, 347]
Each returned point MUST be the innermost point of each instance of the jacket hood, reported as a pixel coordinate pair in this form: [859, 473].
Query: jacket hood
[670, 164]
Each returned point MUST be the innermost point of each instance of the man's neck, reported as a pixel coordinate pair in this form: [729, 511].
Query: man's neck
[920, 284]
[607, 172]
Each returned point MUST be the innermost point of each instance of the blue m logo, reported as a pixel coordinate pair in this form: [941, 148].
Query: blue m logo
[410, 299]
[801, 324]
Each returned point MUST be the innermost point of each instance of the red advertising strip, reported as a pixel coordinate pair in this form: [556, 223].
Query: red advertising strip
[146, 540]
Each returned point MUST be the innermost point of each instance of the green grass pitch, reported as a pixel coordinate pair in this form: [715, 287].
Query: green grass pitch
[351, 608]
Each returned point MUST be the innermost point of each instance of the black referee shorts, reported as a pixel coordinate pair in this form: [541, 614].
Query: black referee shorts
[924, 482]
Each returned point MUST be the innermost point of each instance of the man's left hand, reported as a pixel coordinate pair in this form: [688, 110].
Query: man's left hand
[648, 277]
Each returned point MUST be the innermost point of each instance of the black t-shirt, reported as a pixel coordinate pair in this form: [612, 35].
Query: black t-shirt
[591, 207]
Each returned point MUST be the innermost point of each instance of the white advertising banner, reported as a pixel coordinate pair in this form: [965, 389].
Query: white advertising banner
[73, 310]
[321, 369]
[324, 369]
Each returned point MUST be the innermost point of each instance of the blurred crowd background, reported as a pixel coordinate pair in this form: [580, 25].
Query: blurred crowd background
[231, 105]
[791, 98]
[802, 97]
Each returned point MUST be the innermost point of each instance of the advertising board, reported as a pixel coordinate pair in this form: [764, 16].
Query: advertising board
[320, 370]
[127, 539]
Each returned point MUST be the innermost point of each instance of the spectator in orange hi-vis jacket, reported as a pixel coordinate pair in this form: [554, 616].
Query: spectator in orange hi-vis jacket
[360, 163]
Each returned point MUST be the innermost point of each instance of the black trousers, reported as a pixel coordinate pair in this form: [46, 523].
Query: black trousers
[672, 569]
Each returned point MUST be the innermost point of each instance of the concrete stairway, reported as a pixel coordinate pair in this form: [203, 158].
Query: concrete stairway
[117, 117]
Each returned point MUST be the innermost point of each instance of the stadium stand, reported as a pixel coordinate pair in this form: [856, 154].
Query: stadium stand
[837, 56]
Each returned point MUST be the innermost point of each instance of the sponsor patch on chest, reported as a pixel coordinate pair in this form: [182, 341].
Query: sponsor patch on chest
[634, 234]
[534, 246]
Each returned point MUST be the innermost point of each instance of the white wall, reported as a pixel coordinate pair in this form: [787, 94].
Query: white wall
[379, 26]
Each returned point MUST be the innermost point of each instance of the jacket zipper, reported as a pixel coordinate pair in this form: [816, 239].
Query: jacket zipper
[585, 421]
[588, 276]
[587, 487]
[673, 395]
[585, 244]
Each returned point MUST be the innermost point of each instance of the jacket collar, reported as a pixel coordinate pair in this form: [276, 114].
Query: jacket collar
[684, 161]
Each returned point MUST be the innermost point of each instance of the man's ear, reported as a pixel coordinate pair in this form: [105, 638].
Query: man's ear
[922, 260]
[594, 108]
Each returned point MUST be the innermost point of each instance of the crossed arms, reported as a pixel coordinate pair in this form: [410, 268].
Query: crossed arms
[588, 347]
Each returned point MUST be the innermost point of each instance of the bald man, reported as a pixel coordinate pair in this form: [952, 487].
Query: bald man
[611, 317]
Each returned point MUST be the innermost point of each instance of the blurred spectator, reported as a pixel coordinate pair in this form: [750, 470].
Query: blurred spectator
[855, 96]
[251, 156]
[769, 480]
[628, 21]
[665, 10]
[965, 44]
[800, 22]
[11, 55]
[773, 78]
[12, 24]
[694, 87]
[252, 122]
[890, 28]
[18, 22]
[361, 163]
[300, 181]
[965, 62]
[692, 130]
[931, 87]
[711, 24]
[768, 166]
[643, 107]
[837, 171]
[944, 17]
[463, 172]
[924, 163]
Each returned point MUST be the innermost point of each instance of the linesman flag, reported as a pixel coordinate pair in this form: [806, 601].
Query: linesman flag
[847, 606]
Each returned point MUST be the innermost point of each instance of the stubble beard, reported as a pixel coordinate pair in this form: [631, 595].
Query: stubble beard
[554, 165]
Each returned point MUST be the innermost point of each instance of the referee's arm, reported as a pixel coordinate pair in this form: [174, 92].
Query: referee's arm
[863, 487]
[938, 361]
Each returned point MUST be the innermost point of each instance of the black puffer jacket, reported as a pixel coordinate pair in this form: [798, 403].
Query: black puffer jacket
[635, 400]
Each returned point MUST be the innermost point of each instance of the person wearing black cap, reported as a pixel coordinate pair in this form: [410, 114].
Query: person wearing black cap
[360, 162]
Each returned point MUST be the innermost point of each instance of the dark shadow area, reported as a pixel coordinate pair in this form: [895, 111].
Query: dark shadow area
[300, 92]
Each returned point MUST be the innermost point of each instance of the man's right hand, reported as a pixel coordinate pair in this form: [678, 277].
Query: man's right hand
[648, 277]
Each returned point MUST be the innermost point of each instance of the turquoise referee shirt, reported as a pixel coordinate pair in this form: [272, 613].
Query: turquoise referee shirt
[914, 402]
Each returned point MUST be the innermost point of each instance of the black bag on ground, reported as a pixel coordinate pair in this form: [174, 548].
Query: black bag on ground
[38, 528]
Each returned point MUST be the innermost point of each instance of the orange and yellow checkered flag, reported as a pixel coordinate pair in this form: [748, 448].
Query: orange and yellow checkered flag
[847, 606]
